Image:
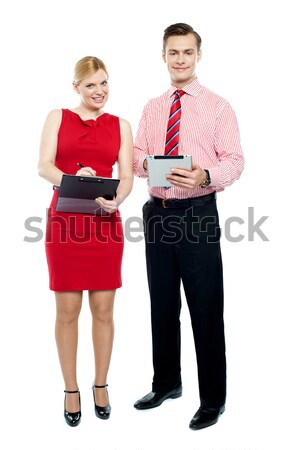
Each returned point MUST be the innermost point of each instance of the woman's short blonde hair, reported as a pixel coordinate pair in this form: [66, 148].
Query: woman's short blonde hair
[87, 66]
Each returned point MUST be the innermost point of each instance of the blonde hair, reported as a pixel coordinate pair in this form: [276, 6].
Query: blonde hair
[87, 66]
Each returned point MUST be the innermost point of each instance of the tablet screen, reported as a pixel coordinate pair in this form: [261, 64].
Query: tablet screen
[159, 166]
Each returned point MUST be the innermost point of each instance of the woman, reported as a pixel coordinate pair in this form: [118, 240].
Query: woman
[84, 252]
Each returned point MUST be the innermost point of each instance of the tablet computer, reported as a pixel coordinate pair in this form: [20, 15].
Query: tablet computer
[159, 166]
[77, 193]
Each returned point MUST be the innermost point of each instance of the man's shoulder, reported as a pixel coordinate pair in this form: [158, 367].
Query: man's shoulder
[156, 101]
[213, 96]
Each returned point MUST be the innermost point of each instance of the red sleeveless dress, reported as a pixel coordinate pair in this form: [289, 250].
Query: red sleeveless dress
[84, 252]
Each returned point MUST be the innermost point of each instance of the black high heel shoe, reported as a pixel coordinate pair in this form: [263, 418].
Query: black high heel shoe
[103, 412]
[72, 419]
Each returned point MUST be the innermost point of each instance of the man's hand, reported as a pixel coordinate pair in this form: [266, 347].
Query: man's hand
[189, 179]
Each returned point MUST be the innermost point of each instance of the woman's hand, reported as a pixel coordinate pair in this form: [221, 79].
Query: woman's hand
[86, 172]
[109, 206]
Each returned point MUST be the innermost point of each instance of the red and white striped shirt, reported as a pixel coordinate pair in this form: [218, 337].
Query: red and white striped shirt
[208, 132]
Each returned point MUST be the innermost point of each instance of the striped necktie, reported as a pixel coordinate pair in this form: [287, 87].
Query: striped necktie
[173, 126]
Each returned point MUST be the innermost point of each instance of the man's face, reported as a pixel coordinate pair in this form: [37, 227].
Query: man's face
[181, 55]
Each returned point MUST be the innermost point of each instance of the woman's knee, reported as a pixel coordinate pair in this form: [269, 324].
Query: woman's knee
[102, 312]
[66, 317]
[67, 312]
[101, 305]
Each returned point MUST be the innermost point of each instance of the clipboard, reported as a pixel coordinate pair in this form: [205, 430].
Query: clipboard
[77, 194]
[159, 166]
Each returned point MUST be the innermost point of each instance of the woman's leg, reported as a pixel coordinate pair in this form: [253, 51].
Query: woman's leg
[68, 307]
[101, 305]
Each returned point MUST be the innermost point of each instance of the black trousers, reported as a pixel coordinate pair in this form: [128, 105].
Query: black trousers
[182, 244]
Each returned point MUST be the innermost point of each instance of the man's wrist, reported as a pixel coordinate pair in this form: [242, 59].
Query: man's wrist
[207, 181]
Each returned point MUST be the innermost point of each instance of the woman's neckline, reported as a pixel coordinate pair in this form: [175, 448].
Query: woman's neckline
[86, 120]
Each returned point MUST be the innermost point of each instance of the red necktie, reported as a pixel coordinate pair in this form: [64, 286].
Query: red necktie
[173, 126]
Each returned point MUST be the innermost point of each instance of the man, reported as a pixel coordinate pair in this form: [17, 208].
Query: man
[181, 224]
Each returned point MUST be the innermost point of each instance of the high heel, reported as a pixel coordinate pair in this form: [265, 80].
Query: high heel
[72, 419]
[103, 412]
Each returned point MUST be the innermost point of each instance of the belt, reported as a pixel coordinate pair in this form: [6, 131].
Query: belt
[184, 203]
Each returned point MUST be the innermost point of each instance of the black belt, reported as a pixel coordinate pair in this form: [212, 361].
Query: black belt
[184, 203]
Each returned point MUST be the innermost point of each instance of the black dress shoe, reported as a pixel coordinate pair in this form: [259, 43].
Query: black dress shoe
[72, 418]
[102, 412]
[154, 399]
[205, 417]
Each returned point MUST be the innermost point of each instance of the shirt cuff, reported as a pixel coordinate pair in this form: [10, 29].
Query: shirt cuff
[215, 176]
[139, 169]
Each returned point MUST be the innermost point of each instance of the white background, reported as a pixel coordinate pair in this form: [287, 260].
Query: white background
[247, 58]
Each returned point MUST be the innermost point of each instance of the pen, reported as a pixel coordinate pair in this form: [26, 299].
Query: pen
[80, 165]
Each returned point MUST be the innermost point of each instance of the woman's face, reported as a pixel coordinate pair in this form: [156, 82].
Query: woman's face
[93, 90]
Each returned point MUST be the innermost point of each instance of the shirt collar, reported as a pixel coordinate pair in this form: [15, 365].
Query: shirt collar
[193, 88]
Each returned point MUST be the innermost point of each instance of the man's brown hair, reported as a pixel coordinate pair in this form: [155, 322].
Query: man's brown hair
[180, 29]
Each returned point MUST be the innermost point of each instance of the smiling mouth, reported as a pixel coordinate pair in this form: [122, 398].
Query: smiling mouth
[98, 99]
